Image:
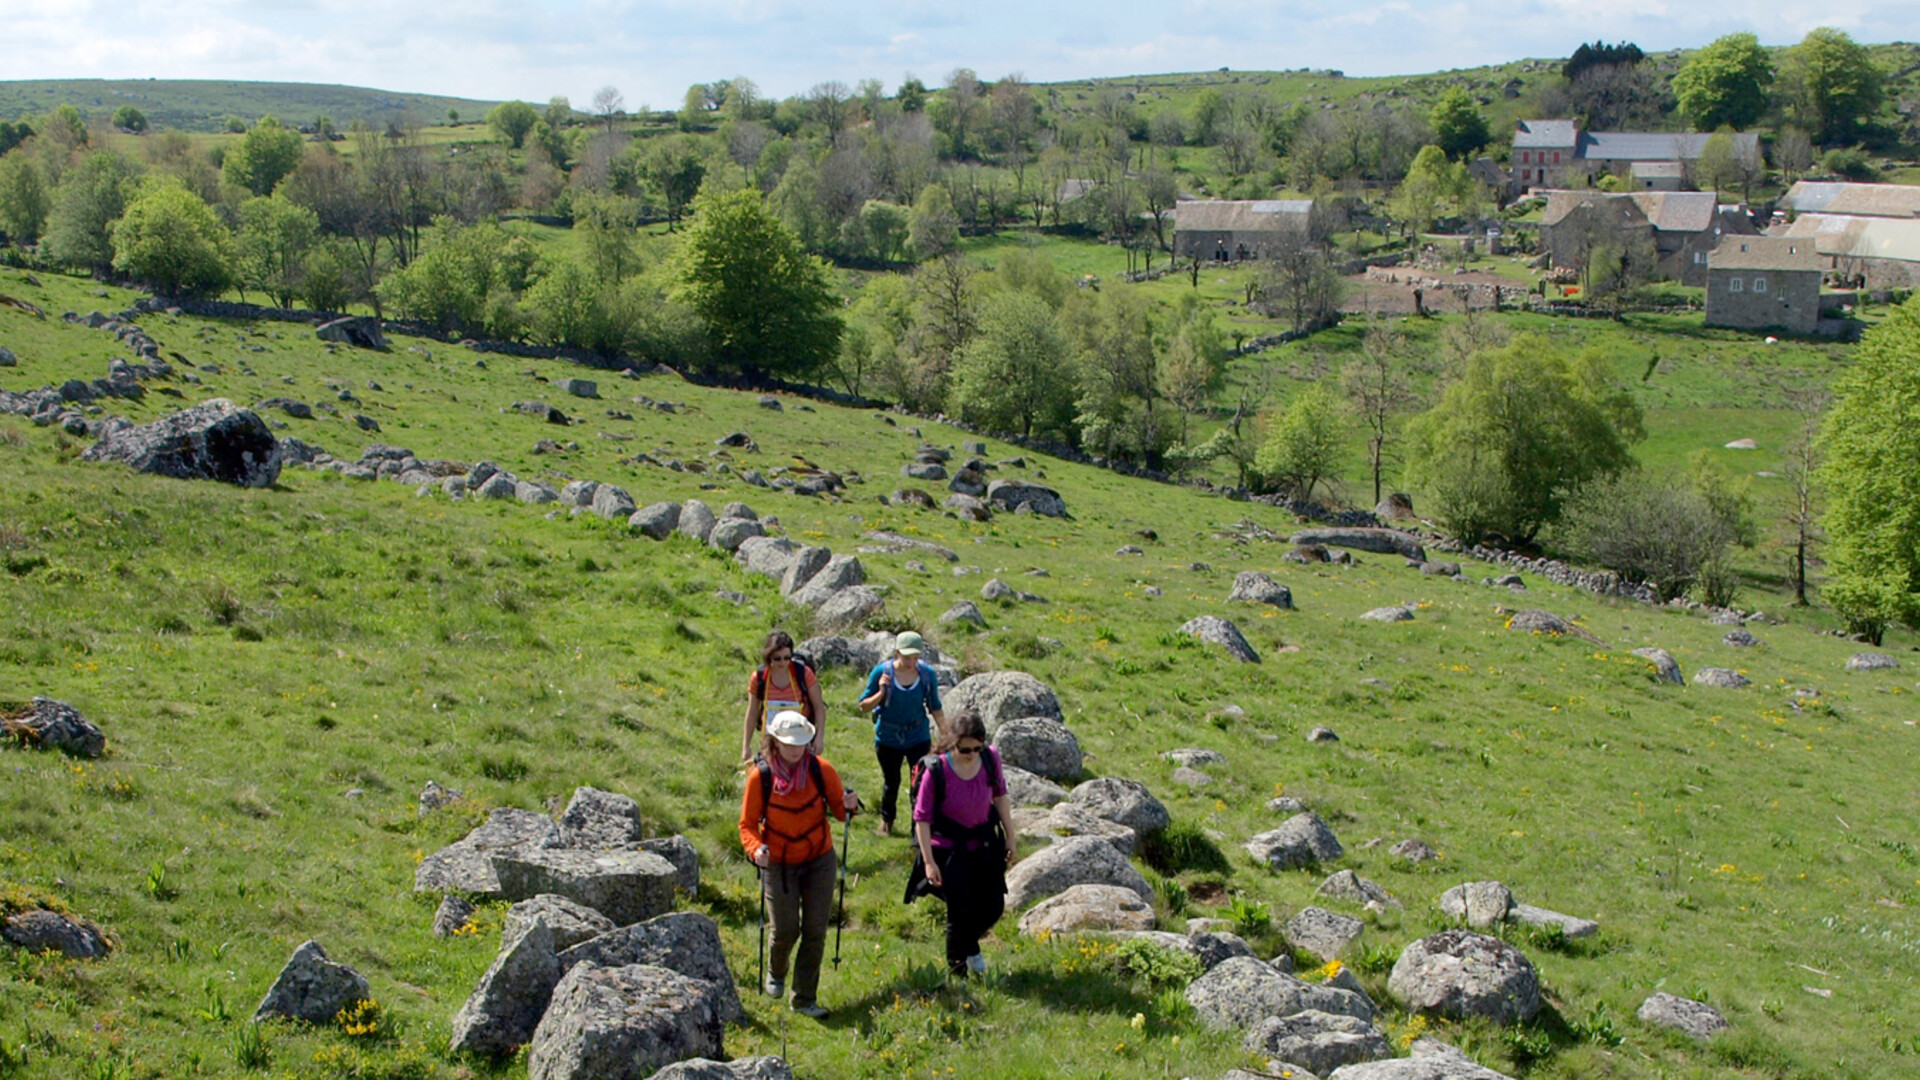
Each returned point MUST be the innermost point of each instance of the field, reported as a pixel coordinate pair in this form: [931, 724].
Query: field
[204, 105]
[279, 671]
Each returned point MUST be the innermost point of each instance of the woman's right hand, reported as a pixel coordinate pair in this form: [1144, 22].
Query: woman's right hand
[762, 857]
[933, 874]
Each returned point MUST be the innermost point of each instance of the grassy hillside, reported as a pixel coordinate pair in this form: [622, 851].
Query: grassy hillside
[257, 657]
[205, 104]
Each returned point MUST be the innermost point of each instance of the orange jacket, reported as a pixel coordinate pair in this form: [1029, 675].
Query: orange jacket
[795, 830]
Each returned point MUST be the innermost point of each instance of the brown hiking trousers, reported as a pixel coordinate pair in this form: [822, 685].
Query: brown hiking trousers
[801, 897]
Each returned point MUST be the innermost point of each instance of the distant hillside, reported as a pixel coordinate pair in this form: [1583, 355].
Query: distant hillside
[205, 104]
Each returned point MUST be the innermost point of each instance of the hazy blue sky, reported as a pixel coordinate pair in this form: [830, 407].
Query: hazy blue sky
[653, 50]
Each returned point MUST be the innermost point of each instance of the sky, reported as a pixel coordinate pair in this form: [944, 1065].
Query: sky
[653, 50]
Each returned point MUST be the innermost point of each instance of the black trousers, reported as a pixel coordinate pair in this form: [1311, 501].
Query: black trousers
[976, 893]
[891, 759]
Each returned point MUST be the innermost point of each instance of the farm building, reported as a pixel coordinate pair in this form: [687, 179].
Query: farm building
[1682, 226]
[1232, 230]
[1764, 282]
[1555, 153]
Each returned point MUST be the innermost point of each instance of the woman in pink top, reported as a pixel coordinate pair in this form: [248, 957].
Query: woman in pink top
[964, 826]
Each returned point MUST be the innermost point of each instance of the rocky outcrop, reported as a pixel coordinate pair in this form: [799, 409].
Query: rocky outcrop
[999, 696]
[1319, 1041]
[599, 819]
[1241, 992]
[42, 931]
[625, 886]
[312, 988]
[1026, 789]
[1378, 541]
[1460, 974]
[683, 941]
[215, 440]
[504, 1009]
[624, 1023]
[568, 923]
[1073, 860]
[467, 864]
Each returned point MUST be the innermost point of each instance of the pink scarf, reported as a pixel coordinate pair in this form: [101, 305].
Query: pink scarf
[788, 779]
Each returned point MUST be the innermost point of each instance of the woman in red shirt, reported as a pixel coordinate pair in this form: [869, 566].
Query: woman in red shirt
[783, 827]
[781, 682]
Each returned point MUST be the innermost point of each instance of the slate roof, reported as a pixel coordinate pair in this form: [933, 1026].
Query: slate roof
[1780, 253]
[1561, 204]
[1864, 200]
[1544, 134]
[1241, 215]
[1849, 237]
[1678, 211]
[1655, 170]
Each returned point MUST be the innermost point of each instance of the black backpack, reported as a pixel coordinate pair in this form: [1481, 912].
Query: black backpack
[930, 765]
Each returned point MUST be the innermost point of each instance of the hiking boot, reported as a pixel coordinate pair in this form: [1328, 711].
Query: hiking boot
[813, 1010]
[885, 828]
[977, 964]
[775, 987]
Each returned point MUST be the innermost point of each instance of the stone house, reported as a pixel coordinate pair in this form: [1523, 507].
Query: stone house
[1556, 153]
[1230, 230]
[1764, 282]
[1680, 226]
[1867, 233]
[1658, 175]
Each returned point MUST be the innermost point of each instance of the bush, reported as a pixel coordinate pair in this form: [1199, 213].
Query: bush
[1850, 163]
[1658, 529]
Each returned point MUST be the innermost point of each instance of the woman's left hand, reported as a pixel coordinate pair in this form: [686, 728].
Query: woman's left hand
[851, 802]
[1013, 854]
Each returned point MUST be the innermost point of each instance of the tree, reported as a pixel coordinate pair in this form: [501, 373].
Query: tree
[89, 198]
[768, 305]
[675, 166]
[1837, 88]
[1434, 187]
[607, 103]
[13, 133]
[1458, 126]
[1609, 87]
[1194, 366]
[1378, 391]
[1015, 374]
[883, 226]
[1793, 152]
[1725, 83]
[128, 118]
[566, 307]
[608, 221]
[828, 103]
[933, 229]
[912, 95]
[24, 201]
[1302, 451]
[1518, 429]
[263, 157]
[1872, 478]
[1802, 469]
[172, 241]
[1720, 166]
[559, 112]
[1300, 280]
[1113, 338]
[958, 113]
[275, 236]
[511, 120]
[1663, 530]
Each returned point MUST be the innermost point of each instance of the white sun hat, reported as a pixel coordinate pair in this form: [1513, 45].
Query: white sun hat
[791, 728]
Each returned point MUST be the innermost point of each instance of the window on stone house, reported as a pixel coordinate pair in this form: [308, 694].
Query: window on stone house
[1733, 284]
[1556, 157]
[1759, 284]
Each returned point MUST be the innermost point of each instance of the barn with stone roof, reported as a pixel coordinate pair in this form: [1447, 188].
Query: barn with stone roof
[1230, 230]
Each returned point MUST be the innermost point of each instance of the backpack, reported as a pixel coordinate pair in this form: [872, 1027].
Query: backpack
[929, 765]
[803, 680]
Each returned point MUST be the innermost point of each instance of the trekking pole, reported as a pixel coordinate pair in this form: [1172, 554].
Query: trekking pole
[762, 875]
[846, 842]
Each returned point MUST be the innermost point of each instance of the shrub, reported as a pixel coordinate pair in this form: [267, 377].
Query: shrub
[1850, 163]
[1658, 529]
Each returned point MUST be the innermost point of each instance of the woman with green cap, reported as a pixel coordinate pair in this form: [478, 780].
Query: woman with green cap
[902, 693]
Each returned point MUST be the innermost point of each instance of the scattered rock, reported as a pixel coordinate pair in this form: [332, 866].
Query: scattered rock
[924, 470]
[1301, 840]
[359, 331]
[963, 611]
[1569, 925]
[1743, 444]
[538, 494]
[753, 1068]
[1041, 746]
[215, 440]
[1871, 661]
[1125, 801]
[1285, 804]
[1351, 887]
[312, 988]
[1378, 541]
[506, 1006]
[1218, 631]
[999, 696]
[1088, 907]
[1725, 678]
[657, 521]
[1322, 735]
[1021, 496]
[624, 1023]
[467, 864]
[1319, 1041]
[1440, 569]
[849, 608]
[1026, 789]
[1695, 1019]
[729, 533]
[1195, 758]
[683, 941]
[453, 915]
[994, 589]
[1539, 622]
[1254, 587]
[767, 556]
[1322, 933]
[42, 931]
[1460, 973]
[696, 520]
[612, 503]
[568, 924]
[1414, 851]
[1740, 638]
[55, 725]
[585, 388]
[1069, 819]
[1431, 1060]
[1243, 991]
[1665, 667]
[768, 401]
[1396, 613]
[626, 886]
[841, 572]
[1070, 861]
[1479, 904]
[1394, 507]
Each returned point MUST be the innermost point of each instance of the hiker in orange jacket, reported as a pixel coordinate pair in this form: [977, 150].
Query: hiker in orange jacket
[784, 829]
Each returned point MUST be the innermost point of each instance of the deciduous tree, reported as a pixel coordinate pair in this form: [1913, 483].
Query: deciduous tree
[275, 235]
[1016, 374]
[768, 305]
[1837, 88]
[263, 157]
[172, 241]
[90, 197]
[1726, 83]
[511, 120]
[1302, 451]
[1458, 126]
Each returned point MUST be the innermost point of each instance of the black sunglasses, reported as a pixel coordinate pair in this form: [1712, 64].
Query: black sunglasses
[968, 749]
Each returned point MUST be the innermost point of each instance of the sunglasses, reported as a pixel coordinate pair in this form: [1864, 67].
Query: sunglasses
[783, 657]
[974, 749]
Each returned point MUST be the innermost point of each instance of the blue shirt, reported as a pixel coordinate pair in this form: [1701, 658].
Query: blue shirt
[900, 721]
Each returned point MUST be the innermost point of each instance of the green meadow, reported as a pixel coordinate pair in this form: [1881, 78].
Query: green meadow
[279, 671]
